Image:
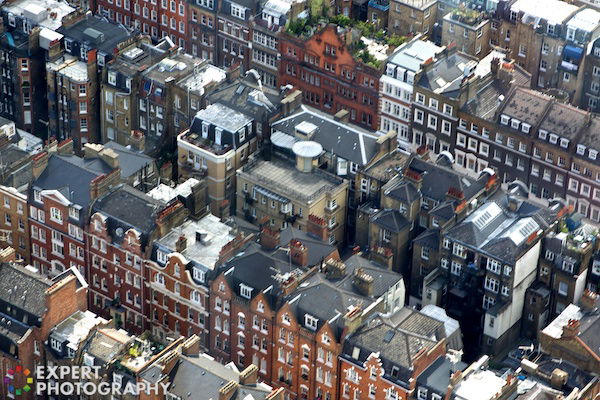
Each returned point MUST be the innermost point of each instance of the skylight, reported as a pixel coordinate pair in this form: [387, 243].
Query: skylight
[485, 215]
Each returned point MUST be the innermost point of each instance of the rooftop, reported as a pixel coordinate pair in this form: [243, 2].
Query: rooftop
[446, 74]
[205, 251]
[106, 344]
[481, 384]
[76, 328]
[128, 208]
[282, 177]
[420, 4]
[345, 140]
[130, 161]
[204, 76]
[177, 66]
[586, 19]
[166, 193]
[97, 32]
[553, 11]
[223, 117]
[70, 67]
[45, 13]
[414, 53]
[388, 166]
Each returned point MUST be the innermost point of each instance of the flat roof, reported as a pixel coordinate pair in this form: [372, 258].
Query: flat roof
[224, 117]
[282, 177]
[207, 74]
[205, 252]
[479, 385]
[553, 11]
[39, 10]
[414, 53]
[70, 67]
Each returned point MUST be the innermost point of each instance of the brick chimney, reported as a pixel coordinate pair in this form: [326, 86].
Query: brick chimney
[414, 177]
[317, 226]
[249, 376]
[40, 162]
[363, 282]
[383, 255]
[91, 150]
[276, 394]
[269, 238]
[334, 269]
[291, 102]
[352, 319]
[558, 378]
[227, 391]
[8, 254]
[423, 152]
[137, 140]
[298, 253]
[233, 73]
[454, 194]
[65, 147]
[191, 347]
[571, 329]
[110, 157]
[589, 300]
[181, 244]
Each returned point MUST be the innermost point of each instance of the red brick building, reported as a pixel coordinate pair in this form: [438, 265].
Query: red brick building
[30, 306]
[276, 320]
[370, 369]
[123, 224]
[329, 75]
[157, 18]
[58, 200]
[182, 264]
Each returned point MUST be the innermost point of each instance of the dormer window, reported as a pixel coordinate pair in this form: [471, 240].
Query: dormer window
[504, 119]
[542, 134]
[237, 11]
[592, 154]
[204, 130]
[310, 322]
[245, 291]
[580, 149]
[218, 134]
[553, 138]
[525, 128]
[199, 275]
[515, 123]
[564, 143]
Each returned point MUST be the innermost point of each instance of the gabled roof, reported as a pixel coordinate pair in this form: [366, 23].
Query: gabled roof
[71, 175]
[396, 340]
[130, 162]
[499, 232]
[126, 208]
[83, 31]
[24, 290]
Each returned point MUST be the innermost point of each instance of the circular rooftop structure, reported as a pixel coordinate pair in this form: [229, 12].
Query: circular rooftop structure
[307, 149]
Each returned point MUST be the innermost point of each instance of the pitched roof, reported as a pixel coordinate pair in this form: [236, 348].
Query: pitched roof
[127, 208]
[345, 140]
[130, 162]
[396, 339]
[391, 220]
[24, 290]
[71, 175]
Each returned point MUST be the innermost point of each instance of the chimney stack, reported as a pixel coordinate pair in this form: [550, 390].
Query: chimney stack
[558, 378]
[298, 253]
[227, 391]
[40, 162]
[110, 157]
[571, 329]
[249, 376]
[589, 300]
[383, 255]
[181, 244]
[334, 269]
[317, 226]
[415, 177]
[269, 238]
[363, 282]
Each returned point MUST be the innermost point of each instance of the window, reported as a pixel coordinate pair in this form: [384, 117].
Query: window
[310, 322]
[563, 288]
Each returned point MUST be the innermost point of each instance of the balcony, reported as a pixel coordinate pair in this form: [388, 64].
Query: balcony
[205, 144]
[188, 169]
[249, 199]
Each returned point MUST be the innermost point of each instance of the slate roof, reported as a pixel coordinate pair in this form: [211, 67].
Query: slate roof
[414, 53]
[436, 377]
[238, 96]
[200, 378]
[113, 33]
[345, 140]
[317, 248]
[391, 220]
[526, 105]
[397, 339]
[71, 175]
[429, 238]
[488, 99]
[127, 208]
[340, 294]
[259, 270]
[446, 74]
[130, 162]
[494, 230]
[387, 166]
[23, 289]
